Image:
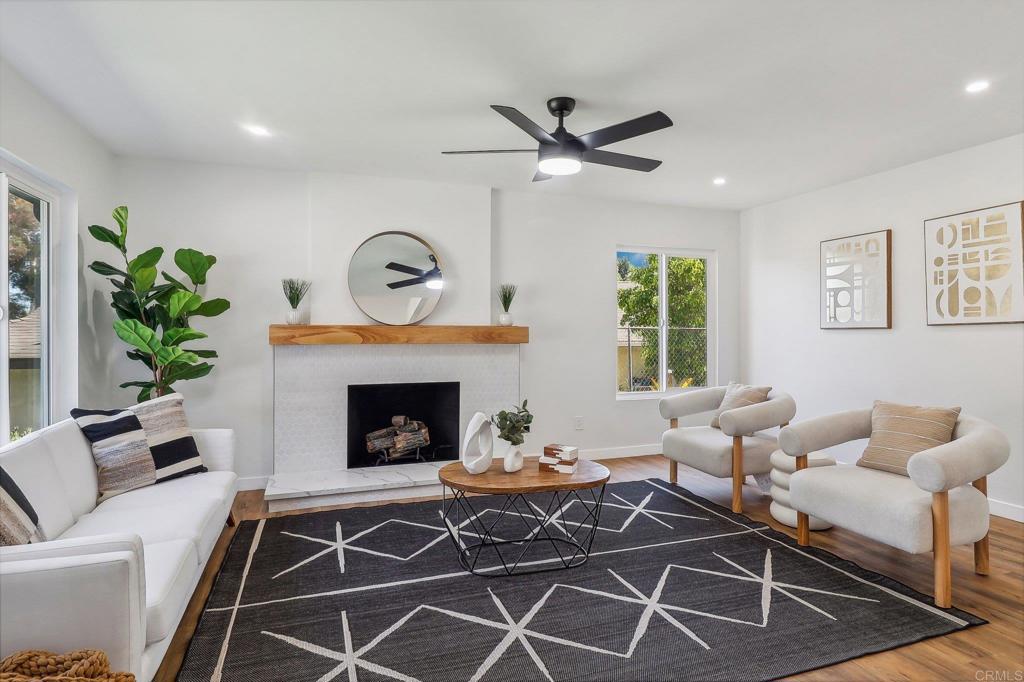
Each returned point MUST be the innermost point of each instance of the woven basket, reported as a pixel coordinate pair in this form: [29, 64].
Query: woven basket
[86, 665]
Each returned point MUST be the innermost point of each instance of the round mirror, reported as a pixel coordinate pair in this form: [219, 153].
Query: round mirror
[395, 278]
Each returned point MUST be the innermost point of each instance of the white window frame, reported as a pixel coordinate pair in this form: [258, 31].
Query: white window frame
[60, 289]
[710, 257]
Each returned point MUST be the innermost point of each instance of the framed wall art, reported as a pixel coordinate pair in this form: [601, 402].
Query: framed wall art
[974, 264]
[856, 281]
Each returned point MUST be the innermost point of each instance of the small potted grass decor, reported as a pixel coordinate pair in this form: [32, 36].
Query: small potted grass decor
[295, 290]
[506, 292]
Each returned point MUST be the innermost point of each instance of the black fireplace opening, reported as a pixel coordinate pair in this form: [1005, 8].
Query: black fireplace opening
[402, 423]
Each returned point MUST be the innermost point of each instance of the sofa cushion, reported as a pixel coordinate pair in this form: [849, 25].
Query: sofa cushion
[740, 395]
[198, 520]
[19, 523]
[214, 485]
[72, 457]
[886, 507]
[898, 432]
[141, 445]
[709, 450]
[28, 462]
[172, 569]
[123, 459]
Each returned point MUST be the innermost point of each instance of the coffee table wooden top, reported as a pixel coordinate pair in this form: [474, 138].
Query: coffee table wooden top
[529, 479]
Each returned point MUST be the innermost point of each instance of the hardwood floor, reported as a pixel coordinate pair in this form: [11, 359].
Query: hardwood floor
[990, 653]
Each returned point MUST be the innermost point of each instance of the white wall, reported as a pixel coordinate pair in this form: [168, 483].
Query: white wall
[39, 133]
[980, 368]
[560, 251]
[345, 210]
[256, 223]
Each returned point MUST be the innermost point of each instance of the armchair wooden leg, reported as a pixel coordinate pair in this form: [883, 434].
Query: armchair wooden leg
[940, 550]
[803, 524]
[981, 546]
[737, 474]
[673, 466]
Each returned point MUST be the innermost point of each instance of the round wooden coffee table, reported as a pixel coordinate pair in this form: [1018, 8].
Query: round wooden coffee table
[562, 513]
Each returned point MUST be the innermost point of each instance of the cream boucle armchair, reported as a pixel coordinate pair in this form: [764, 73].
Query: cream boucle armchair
[943, 502]
[739, 448]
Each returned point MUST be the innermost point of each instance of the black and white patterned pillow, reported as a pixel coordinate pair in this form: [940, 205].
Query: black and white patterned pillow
[140, 445]
[19, 523]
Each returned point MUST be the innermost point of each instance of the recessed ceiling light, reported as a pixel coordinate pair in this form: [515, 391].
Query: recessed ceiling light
[977, 86]
[718, 181]
[257, 130]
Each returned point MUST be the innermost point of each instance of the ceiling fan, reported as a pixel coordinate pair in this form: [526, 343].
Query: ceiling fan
[432, 277]
[562, 153]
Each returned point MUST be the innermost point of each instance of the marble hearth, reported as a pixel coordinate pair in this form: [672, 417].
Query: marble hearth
[311, 411]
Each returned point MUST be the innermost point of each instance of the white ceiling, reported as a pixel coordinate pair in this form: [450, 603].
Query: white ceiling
[779, 96]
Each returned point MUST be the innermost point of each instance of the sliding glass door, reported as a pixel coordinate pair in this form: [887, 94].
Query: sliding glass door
[24, 307]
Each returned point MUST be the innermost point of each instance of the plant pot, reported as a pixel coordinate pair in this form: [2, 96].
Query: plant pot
[505, 320]
[513, 459]
[295, 316]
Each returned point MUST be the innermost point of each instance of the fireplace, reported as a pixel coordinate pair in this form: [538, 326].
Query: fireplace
[402, 423]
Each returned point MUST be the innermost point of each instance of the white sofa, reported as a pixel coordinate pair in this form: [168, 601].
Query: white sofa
[115, 576]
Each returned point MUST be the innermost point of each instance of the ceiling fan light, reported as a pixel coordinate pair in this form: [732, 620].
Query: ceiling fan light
[435, 283]
[559, 165]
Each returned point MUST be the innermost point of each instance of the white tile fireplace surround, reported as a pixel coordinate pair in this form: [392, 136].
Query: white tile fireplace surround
[311, 414]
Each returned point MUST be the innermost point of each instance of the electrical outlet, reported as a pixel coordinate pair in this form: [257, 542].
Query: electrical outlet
[577, 422]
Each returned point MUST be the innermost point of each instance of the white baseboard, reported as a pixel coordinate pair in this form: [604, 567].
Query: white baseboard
[1008, 510]
[252, 482]
[623, 451]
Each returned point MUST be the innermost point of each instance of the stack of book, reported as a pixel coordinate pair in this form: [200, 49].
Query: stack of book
[559, 458]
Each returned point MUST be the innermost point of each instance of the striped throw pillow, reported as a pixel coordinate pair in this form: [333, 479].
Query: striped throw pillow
[898, 432]
[740, 395]
[140, 445]
[19, 524]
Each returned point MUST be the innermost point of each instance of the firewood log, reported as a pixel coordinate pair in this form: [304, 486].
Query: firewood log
[399, 420]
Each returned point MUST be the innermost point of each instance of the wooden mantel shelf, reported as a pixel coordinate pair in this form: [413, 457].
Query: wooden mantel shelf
[334, 334]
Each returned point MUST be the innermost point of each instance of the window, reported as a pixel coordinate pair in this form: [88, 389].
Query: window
[665, 336]
[24, 309]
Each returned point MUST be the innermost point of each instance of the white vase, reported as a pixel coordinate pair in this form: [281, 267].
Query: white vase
[513, 459]
[478, 445]
[295, 316]
[505, 320]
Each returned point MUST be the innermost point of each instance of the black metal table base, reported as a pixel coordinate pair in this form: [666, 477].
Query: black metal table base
[570, 540]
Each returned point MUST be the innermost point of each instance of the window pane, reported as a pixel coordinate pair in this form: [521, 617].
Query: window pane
[638, 334]
[686, 340]
[27, 217]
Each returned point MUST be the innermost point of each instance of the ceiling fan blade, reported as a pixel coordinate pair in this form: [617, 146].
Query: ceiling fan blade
[624, 131]
[492, 151]
[538, 176]
[637, 163]
[529, 127]
[407, 283]
[407, 269]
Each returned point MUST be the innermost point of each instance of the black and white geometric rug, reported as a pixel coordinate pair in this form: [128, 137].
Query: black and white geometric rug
[676, 588]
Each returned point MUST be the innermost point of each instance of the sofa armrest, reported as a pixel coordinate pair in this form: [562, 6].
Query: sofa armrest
[85, 601]
[691, 402]
[825, 432]
[978, 449]
[80, 546]
[216, 447]
[779, 409]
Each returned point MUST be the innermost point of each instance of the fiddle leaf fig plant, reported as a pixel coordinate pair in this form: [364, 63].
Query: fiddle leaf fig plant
[154, 318]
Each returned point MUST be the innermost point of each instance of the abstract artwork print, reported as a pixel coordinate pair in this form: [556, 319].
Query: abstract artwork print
[855, 286]
[975, 266]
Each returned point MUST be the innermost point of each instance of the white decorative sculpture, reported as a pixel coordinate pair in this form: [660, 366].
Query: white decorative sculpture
[513, 460]
[478, 446]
